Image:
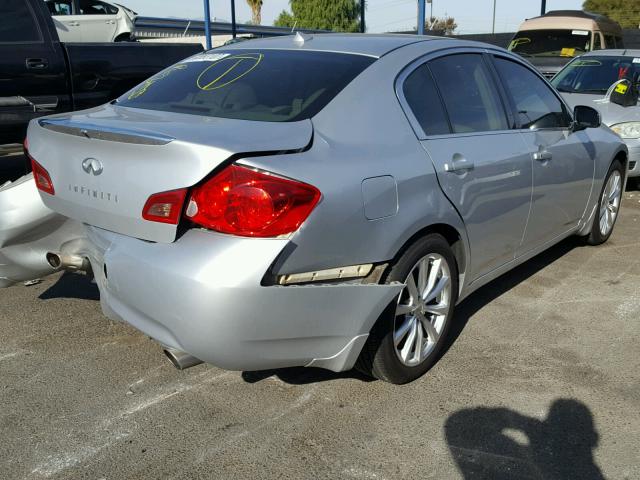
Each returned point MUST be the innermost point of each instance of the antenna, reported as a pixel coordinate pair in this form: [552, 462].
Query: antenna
[300, 38]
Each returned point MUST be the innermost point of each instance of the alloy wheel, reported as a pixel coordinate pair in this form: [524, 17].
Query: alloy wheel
[610, 202]
[422, 309]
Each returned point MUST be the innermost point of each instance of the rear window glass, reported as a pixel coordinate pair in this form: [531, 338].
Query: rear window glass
[262, 85]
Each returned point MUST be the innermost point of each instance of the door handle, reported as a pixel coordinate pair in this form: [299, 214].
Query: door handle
[458, 164]
[37, 63]
[111, 22]
[542, 155]
[73, 24]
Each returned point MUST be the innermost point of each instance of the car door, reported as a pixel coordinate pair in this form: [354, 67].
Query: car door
[460, 117]
[32, 70]
[98, 21]
[563, 164]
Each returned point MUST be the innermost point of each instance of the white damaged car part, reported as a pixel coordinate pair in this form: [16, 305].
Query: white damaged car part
[28, 231]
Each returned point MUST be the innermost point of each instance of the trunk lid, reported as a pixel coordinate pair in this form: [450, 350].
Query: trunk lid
[106, 162]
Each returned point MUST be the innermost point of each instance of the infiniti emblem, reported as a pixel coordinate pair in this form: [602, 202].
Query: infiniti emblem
[92, 165]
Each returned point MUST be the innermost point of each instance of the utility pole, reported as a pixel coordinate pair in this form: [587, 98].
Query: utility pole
[493, 28]
[543, 7]
[233, 18]
[362, 25]
[421, 14]
[207, 24]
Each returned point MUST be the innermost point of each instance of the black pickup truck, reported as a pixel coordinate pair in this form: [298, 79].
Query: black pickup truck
[39, 75]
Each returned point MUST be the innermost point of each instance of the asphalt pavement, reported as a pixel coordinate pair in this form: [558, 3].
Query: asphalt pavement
[540, 381]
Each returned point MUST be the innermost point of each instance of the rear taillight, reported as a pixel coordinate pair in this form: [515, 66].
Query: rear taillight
[242, 201]
[40, 174]
[165, 207]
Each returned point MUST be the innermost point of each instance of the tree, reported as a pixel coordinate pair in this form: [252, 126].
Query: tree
[337, 15]
[625, 12]
[256, 11]
[446, 25]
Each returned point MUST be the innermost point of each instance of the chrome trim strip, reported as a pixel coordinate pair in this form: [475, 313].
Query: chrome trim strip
[105, 133]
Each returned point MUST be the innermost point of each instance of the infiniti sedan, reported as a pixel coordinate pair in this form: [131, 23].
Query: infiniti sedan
[318, 201]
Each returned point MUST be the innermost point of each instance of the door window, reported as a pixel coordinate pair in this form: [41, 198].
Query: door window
[536, 104]
[469, 94]
[422, 97]
[18, 24]
[95, 7]
[60, 7]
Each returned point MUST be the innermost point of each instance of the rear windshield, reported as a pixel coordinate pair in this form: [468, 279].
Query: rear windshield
[262, 85]
[551, 43]
[591, 74]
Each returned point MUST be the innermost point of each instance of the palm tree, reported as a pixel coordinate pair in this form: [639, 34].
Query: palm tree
[256, 7]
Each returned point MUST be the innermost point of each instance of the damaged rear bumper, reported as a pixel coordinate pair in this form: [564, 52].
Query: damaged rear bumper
[201, 294]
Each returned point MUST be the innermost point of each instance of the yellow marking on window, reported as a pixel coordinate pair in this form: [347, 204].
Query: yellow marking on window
[568, 52]
[215, 84]
[142, 89]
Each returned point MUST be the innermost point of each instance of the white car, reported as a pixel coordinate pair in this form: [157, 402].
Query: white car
[91, 21]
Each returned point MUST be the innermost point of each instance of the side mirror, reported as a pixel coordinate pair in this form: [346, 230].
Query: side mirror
[585, 117]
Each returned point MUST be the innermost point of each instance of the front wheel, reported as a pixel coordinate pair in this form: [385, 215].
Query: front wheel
[406, 340]
[608, 205]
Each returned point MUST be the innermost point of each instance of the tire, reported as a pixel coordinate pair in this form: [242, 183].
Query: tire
[405, 318]
[608, 208]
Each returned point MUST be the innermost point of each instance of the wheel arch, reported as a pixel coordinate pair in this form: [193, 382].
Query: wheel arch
[454, 238]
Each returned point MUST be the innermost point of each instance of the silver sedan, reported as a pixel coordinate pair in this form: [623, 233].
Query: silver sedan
[318, 201]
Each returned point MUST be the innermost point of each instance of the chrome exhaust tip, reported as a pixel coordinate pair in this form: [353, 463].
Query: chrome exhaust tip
[181, 360]
[63, 261]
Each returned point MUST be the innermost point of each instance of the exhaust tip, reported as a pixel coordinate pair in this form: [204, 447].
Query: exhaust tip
[54, 260]
[65, 261]
[181, 360]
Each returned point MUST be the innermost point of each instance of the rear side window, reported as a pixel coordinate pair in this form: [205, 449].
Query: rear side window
[536, 104]
[95, 7]
[262, 85]
[422, 97]
[17, 24]
[469, 94]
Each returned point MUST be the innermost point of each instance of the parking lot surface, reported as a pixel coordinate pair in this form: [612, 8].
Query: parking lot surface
[540, 381]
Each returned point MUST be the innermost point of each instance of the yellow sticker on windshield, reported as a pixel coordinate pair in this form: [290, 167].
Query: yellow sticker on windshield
[568, 52]
[227, 70]
[622, 88]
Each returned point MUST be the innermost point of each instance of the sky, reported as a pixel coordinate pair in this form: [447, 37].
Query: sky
[472, 16]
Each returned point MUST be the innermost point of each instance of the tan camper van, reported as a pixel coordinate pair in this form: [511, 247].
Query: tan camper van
[551, 40]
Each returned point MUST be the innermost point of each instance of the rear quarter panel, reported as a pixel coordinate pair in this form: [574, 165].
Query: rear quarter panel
[364, 133]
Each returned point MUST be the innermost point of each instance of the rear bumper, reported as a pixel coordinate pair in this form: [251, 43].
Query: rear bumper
[202, 295]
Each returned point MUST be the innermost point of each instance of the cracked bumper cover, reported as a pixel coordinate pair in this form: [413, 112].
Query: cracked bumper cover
[202, 294]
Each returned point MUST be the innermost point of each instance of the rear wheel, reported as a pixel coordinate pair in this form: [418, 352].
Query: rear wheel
[406, 340]
[608, 205]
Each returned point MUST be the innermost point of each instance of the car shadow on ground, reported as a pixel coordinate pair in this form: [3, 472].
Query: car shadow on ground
[72, 285]
[501, 444]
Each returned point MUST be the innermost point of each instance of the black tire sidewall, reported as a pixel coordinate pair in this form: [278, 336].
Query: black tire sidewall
[596, 237]
[386, 363]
